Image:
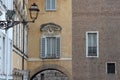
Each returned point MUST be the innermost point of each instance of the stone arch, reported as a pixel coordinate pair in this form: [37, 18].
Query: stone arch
[52, 67]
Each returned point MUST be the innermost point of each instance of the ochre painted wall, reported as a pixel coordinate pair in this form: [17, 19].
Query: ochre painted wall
[17, 61]
[62, 17]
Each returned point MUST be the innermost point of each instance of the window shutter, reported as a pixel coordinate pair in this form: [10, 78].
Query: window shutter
[43, 47]
[53, 4]
[47, 4]
[58, 47]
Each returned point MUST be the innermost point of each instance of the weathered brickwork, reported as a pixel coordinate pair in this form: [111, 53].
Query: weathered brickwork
[102, 16]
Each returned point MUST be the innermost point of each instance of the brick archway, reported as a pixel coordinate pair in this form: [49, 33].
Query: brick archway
[51, 67]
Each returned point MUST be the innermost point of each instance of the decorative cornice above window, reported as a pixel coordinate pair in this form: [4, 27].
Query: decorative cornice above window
[50, 28]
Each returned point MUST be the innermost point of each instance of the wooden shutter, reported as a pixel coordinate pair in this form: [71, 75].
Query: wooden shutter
[48, 4]
[58, 47]
[53, 4]
[43, 44]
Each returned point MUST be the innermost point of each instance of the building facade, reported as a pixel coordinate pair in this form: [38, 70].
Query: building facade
[95, 35]
[20, 42]
[5, 43]
[13, 42]
[50, 41]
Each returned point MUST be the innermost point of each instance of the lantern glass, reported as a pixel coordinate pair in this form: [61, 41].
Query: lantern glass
[34, 11]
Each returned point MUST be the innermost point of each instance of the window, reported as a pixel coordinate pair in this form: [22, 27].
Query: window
[92, 44]
[2, 52]
[50, 47]
[50, 4]
[50, 41]
[111, 68]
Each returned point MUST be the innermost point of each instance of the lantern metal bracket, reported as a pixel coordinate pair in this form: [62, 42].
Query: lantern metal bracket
[10, 15]
[11, 23]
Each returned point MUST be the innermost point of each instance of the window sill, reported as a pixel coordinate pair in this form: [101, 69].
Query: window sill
[60, 59]
[51, 10]
[92, 56]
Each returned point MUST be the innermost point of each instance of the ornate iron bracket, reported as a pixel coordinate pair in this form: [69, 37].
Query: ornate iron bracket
[11, 23]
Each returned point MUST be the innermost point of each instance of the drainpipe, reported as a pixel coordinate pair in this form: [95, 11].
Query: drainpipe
[23, 50]
[23, 44]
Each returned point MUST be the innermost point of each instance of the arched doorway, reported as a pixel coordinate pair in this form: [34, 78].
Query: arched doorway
[50, 74]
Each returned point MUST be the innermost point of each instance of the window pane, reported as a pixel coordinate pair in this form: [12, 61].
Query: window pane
[51, 47]
[92, 44]
[92, 51]
[3, 45]
[4, 54]
[47, 4]
[48, 46]
[110, 68]
[92, 39]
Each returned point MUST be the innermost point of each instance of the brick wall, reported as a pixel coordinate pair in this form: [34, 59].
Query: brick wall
[102, 16]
